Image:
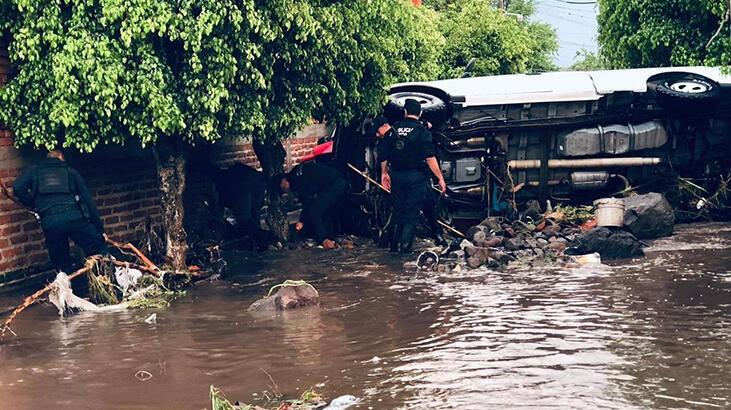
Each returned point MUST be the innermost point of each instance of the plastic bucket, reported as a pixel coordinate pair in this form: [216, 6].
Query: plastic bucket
[609, 212]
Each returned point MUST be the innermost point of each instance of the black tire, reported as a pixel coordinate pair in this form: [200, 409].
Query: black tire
[688, 94]
[435, 104]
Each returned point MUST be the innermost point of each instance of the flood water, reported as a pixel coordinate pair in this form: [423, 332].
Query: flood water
[649, 333]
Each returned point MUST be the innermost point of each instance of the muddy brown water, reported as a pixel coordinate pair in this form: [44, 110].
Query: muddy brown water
[648, 333]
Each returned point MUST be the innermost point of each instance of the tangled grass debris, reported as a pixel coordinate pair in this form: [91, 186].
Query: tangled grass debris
[309, 400]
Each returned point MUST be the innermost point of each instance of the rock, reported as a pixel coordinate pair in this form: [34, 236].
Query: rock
[503, 257]
[475, 262]
[477, 233]
[649, 216]
[540, 235]
[492, 242]
[492, 224]
[542, 243]
[287, 297]
[609, 243]
[551, 231]
[514, 244]
[509, 232]
[471, 251]
[558, 246]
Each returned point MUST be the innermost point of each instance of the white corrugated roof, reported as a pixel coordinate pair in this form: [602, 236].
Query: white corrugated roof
[557, 86]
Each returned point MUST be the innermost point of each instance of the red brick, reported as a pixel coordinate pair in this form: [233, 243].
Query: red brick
[10, 252]
[10, 229]
[18, 239]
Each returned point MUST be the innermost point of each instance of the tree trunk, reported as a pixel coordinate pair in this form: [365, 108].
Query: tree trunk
[271, 155]
[170, 161]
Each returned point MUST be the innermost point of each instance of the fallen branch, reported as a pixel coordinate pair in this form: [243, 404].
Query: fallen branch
[27, 302]
[128, 246]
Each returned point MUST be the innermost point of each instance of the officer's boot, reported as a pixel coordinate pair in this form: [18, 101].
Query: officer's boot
[393, 243]
[440, 241]
[436, 231]
[407, 238]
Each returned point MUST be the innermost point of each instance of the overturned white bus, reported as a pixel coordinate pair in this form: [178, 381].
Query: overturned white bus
[573, 136]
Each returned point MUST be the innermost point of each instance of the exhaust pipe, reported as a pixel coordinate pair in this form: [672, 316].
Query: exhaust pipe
[584, 163]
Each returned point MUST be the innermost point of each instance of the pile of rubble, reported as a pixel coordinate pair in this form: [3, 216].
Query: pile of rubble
[555, 237]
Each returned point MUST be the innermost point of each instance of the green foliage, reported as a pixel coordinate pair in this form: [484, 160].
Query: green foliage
[646, 33]
[500, 43]
[588, 61]
[116, 70]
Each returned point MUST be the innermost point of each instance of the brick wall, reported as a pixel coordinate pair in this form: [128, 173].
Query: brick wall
[123, 182]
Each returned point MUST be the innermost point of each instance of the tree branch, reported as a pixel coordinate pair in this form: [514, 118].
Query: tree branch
[720, 27]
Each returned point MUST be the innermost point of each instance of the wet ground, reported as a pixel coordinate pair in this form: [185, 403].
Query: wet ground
[651, 333]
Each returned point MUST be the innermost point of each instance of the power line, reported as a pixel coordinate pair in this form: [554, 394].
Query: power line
[576, 2]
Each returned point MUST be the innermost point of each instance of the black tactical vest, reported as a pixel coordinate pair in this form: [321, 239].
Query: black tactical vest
[53, 180]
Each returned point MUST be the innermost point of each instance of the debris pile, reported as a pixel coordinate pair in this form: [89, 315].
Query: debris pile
[309, 400]
[553, 237]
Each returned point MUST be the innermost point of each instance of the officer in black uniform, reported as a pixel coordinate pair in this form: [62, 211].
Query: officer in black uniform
[321, 189]
[58, 194]
[381, 129]
[405, 151]
[241, 189]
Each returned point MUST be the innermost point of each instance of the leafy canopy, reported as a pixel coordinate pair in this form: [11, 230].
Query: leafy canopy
[588, 61]
[501, 43]
[647, 33]
[111, 71]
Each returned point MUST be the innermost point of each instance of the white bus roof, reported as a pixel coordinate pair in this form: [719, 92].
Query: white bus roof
[557, 86]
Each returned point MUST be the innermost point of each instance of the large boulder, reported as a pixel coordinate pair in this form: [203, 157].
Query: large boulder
[649, 216]
[287, 297]
[609, 243]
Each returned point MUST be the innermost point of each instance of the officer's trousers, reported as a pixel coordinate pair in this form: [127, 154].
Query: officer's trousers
[318, 211]
[247, 210]
[408, 191]
[59, 228]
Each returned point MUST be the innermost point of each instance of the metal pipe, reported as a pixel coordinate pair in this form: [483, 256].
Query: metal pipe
[584, 163]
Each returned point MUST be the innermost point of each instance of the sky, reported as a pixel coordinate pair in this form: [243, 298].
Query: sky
[575, 25]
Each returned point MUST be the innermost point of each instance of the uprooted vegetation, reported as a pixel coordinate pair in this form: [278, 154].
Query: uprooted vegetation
[309, 400]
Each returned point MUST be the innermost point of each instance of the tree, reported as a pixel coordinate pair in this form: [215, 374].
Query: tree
[587, 61]
[500, 43]
[174, 73]
[649, 33]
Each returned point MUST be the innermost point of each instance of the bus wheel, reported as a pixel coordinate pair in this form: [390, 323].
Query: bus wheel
[435, 104]
[689, 94]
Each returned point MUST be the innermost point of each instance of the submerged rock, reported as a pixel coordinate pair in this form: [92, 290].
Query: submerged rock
[287, 297]
[649, 216]
[609, 243]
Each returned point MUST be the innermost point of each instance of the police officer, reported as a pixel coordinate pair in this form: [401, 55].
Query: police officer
[241, 189]
[58, 194]
[405, 151]
[381, 129]
[321, 189]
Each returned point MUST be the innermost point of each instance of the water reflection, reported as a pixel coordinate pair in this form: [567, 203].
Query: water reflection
[649, 333]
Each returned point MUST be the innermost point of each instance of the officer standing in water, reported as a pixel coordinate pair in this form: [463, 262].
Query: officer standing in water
[405, 151]
[321, 189]
[381, 129]
[58, 194]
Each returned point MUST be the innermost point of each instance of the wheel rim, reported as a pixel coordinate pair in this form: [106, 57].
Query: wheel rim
[427, 101]
[690, 87]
